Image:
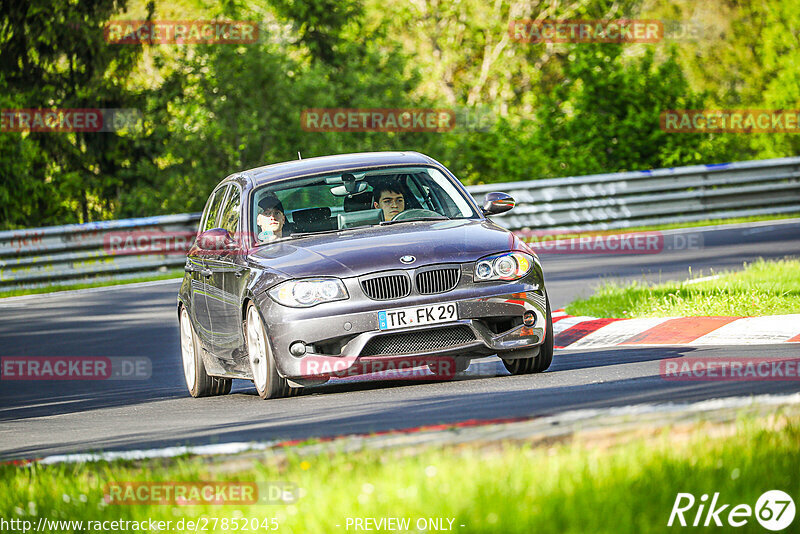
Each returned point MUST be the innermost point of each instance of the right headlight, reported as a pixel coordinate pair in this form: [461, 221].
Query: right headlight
[307, 293]
[507, 266]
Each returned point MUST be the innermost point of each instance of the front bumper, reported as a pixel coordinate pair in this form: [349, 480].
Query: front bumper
[343, 337]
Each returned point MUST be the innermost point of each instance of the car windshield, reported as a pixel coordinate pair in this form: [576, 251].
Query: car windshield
[356, 199]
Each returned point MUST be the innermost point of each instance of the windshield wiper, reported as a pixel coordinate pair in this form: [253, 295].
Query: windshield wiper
[306, 234]
[440, 218]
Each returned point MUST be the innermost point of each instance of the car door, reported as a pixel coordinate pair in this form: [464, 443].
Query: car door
[227, 283]
[197, 261]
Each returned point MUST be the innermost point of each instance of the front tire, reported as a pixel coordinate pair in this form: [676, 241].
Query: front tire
[537, 363]
[269, 384]
[194, 370]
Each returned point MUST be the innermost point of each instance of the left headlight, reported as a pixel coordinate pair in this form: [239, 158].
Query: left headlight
[508, 266]
[307, 293]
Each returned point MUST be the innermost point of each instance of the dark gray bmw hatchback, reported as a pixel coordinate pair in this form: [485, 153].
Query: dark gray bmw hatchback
[349, 264]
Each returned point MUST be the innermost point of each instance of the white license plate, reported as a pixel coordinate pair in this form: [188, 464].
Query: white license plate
[420, 315]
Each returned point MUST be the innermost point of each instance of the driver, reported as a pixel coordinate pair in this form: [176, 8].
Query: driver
[389, 199]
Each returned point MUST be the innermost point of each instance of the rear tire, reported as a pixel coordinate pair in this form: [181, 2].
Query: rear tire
[540, 362]
[194, 370]
[269, 384]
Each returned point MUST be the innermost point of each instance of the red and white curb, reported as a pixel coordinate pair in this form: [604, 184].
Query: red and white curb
[582, 332]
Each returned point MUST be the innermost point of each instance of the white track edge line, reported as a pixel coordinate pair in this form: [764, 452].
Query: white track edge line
[69, 292]
[568, 416]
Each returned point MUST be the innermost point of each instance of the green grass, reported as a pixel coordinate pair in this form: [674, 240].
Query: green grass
[593, 483]
[711, 222]
[761, 288]
[86, 285]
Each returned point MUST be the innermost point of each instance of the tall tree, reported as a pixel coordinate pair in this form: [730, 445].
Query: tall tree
[54, 55]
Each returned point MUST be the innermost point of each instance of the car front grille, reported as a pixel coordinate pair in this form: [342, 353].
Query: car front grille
[386, 287]
[420, 341]
[439, 280]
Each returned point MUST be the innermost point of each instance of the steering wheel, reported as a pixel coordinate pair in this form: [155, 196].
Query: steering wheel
[416, 214]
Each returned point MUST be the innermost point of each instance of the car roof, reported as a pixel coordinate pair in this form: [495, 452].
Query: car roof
[339, 162]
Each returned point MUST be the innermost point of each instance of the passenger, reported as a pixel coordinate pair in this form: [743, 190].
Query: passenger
[271, 219]
[389, 199]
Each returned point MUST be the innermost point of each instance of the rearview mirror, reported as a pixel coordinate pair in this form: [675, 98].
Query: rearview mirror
[349, 188]
[216, 239]
[496, 203]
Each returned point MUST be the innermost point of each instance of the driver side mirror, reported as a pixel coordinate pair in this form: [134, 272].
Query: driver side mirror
[497, 203]
[216, 239]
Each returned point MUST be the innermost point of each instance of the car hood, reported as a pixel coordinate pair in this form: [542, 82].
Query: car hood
[363, 250]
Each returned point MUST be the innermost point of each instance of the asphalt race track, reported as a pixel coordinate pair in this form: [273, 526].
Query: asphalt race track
[49, 417]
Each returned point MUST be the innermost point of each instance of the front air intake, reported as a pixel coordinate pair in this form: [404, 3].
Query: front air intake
[418, 341]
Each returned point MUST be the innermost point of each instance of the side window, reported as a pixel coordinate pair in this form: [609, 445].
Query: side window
[212, 210]
[230, 214]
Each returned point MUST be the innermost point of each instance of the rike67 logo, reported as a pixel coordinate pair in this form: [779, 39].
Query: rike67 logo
[774, 510]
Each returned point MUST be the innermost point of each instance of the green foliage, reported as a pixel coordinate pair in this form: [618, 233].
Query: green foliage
[605, 114]
[53, 55]
[210, 110]
[227, 108]
[321, 25]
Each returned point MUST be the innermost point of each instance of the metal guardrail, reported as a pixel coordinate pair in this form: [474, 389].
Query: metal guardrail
[74, 253]
[661, 196]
